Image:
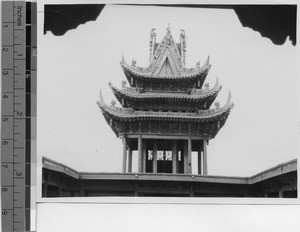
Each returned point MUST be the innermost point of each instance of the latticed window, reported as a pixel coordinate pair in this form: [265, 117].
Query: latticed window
[160, 155]
[179, 156]
[168, 155]
[150, 154]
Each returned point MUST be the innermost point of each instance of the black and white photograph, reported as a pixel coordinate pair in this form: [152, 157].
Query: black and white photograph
[181, 101]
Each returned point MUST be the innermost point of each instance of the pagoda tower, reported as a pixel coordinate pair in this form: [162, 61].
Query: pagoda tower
[166, 111]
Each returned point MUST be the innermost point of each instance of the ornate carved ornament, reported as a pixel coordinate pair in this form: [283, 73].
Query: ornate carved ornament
[167, 48]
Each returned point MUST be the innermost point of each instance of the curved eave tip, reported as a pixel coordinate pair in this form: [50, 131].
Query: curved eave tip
[217, 79]
[99, 104]
[111, 86]
[207, 60]
[101, 100]
[229, 103]
[122, 60]
[217, 83]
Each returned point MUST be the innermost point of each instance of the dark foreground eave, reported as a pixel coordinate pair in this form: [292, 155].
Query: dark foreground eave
[278, 170]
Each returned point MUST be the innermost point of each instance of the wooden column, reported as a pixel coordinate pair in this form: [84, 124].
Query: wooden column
[129, 159]
[144, 155]
[265, 192]
[60, 188]
[280, 193]
[192, 190]
[81, 189]
[200, 159]
[155, 156]
[174, 157]
[185, 157]
[140, 158]
[204, 157]
[189, 161]
[124, 154]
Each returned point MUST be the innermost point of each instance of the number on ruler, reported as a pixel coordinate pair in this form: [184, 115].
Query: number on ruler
[19, 113]
[18, 173]
[4, 212]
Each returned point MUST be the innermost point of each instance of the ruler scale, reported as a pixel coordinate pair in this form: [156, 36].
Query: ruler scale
[18, 50]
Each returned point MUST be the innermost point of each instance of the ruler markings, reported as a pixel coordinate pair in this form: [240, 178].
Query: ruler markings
[15, 170]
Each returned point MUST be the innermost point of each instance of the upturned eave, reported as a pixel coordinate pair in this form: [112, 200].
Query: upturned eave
[137, 94]
[146, 73]
[128, 114]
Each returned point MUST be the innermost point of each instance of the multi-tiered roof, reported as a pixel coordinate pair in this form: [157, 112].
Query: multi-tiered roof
[166, 97]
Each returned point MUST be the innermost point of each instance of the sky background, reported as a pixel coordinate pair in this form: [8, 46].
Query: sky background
[260, 131]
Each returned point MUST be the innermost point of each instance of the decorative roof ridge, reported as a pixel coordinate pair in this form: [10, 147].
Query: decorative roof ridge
[145, 72]
[167, 45]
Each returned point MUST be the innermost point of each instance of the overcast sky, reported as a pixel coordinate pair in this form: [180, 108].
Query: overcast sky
[260, 131]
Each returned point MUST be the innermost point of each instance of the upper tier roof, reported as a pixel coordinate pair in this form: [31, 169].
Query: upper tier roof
[192, 94]
[166, 61]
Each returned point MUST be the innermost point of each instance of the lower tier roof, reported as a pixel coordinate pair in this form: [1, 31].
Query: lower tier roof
[203, 123]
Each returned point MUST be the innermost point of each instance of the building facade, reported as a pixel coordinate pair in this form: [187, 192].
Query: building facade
[166, 111]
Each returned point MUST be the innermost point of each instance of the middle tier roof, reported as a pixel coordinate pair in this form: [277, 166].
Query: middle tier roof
[189, 100]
